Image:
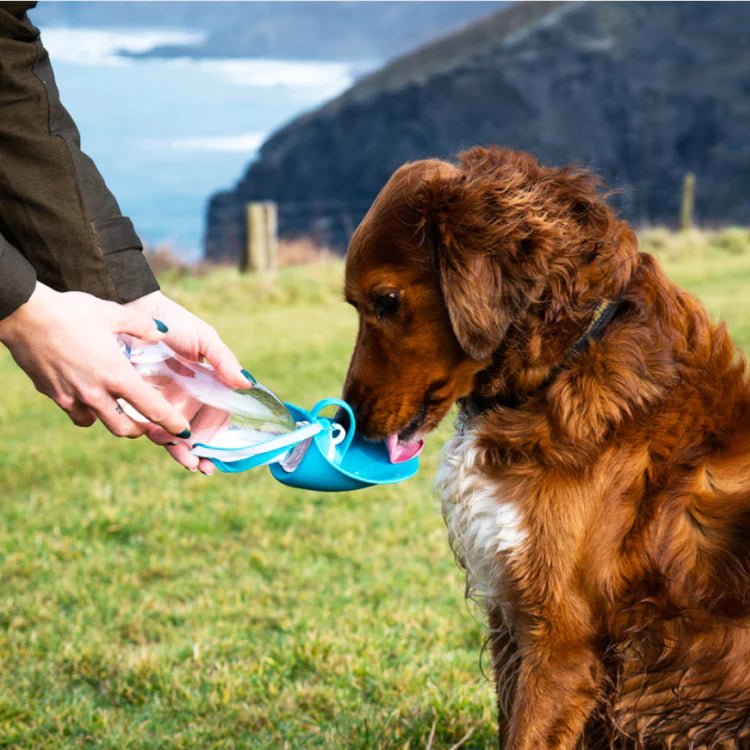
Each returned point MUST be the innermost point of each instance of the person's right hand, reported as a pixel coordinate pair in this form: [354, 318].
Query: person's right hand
[66, 342]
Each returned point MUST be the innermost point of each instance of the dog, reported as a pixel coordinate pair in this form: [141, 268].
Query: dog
[597, 490]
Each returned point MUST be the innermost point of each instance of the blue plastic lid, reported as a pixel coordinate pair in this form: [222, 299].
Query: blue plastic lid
[328, 464]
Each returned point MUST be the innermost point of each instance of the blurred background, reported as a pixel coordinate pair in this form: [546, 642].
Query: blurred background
[174, 101]
[193, 109]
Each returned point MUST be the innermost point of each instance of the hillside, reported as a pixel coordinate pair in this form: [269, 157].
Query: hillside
[148, 608]
[640, 92]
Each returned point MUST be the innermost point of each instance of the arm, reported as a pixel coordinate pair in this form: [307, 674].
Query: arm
[17, 278]
[54, 205]
[67, 226]
[66, 342]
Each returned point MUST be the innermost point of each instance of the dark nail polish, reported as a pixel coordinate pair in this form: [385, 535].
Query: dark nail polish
[185, 434]
[171, 443]
[162, 328]
[248, 376]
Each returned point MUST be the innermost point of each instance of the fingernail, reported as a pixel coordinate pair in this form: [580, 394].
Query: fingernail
[249, 376]
[160, 326]
[171, 442]
[185, 434]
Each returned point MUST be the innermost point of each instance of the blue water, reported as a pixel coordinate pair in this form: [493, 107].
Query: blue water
[166, 134]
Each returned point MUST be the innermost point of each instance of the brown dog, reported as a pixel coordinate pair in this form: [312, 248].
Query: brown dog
[598, 489]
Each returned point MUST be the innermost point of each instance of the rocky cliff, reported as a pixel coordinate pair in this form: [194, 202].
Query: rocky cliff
[640, 92]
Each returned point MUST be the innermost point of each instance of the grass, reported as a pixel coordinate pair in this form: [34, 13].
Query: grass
[145, 607]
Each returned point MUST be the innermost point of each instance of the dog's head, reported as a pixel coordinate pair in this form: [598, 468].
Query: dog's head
[452, 258]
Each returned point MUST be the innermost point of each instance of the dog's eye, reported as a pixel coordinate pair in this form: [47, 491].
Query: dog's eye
[386, 305]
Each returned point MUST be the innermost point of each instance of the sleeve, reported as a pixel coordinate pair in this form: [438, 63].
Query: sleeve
[54, 205]
[17, 278]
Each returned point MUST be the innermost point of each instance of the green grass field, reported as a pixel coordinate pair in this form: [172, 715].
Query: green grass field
[142, 606]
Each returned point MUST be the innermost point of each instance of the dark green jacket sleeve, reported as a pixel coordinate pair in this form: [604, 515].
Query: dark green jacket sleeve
[54, 206]
[17, 278]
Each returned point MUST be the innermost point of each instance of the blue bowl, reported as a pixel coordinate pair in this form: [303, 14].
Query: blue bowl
[354, 464]
[325, 466]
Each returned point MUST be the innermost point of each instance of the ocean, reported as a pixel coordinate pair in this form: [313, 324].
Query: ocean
[166, 133]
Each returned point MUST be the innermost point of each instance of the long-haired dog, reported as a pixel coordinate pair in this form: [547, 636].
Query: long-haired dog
[597, 491]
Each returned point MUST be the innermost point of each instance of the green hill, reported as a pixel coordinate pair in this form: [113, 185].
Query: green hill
[144, 607]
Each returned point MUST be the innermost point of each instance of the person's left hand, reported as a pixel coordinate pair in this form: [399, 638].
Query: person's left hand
[194, 339]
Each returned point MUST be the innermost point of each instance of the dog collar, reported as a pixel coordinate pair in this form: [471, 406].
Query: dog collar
[603, 315]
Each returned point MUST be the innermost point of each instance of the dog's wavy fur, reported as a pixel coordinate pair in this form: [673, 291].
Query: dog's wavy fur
[619, 606]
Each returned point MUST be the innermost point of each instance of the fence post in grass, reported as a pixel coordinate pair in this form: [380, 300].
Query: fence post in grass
[261, 245]
[688, 201]
[272, 236]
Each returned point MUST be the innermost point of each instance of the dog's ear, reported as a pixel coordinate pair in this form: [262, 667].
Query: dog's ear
[471, 279]
[506, 233]
[472, 289]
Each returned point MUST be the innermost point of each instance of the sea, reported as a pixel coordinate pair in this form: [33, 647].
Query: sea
[167, 133]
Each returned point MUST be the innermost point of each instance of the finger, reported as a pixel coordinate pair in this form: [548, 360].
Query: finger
[183, 457]
[160, 436]
[185, 404]
[221, 357]
[152, 405]
[81, 415]
[181, 453]
[205, 425]
[116, 420]
[205, 466]
[137, 323]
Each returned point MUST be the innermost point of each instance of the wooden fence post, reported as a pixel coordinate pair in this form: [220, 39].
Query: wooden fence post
[688, 201]
[272, 236]
[261, 245]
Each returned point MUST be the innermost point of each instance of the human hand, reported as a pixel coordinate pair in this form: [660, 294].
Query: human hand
[195, 340]
[66, 342]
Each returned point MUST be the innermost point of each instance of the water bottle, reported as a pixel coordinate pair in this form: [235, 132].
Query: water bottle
[224, 421]
[243, 428]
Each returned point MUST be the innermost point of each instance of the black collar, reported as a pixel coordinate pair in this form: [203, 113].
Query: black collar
[602, 317]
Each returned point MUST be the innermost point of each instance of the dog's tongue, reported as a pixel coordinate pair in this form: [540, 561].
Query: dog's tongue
[400, 451]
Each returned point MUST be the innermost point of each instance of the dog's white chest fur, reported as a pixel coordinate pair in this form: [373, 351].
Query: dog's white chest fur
[485, 529]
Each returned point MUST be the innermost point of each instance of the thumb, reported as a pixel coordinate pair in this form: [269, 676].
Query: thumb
[137, 323]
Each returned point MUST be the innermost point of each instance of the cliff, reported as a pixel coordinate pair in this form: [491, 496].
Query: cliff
[640, 92]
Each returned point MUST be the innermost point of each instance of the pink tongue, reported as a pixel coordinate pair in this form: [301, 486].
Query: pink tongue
[400, 451]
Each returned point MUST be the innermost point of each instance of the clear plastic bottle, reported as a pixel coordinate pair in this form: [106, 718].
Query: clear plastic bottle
[221, 418]
[241, 429]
